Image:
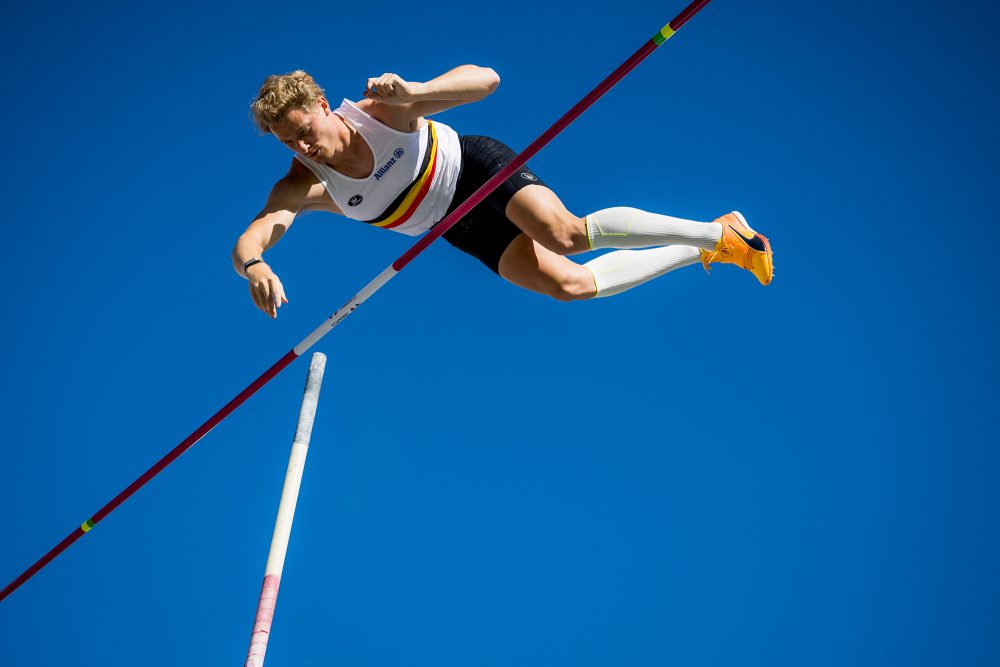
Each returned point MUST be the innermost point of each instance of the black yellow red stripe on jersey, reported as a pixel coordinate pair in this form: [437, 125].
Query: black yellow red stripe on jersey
[400, 210]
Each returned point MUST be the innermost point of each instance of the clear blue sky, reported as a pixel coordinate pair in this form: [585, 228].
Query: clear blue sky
[702, 471]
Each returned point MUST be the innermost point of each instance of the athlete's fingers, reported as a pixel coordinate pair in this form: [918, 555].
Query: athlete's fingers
[256, 299]
[264, 296]
[376, 84]
[265, 300]
[382, 86]
[279, 289]
[275, 299]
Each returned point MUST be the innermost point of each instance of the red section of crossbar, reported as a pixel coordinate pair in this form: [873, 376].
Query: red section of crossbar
[686, 15]
[171, 456]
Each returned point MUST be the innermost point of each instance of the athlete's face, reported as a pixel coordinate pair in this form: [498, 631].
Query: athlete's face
[310, 132]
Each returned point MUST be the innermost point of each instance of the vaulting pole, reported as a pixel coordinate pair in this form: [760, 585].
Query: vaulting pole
[663, 35]
[286, 512]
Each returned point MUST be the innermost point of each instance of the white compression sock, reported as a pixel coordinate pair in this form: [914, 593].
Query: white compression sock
[622, 270]
[625, 227]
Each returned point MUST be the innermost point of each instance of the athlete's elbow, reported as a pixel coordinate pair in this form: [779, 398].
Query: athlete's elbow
[491, 80]
[247, 247]
[237, 264]
[237, 258]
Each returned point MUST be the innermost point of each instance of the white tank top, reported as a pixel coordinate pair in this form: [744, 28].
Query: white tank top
[412, 183]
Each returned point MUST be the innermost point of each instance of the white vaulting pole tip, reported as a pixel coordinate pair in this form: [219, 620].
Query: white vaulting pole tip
[286, 510]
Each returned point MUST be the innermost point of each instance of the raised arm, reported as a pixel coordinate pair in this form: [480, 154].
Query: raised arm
[464, 84]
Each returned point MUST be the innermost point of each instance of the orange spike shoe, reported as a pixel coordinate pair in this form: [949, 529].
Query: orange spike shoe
[741, 246]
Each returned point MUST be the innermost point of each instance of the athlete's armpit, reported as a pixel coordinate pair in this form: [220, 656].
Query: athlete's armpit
[316, 197]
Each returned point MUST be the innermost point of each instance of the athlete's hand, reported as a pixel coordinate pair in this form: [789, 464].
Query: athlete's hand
[391, 89]
[265, 289]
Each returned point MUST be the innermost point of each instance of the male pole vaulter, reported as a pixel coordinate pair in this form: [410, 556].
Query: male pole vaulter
[380, 161]
[332, 143]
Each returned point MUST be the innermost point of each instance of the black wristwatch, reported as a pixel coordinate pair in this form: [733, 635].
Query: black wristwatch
[250, 262]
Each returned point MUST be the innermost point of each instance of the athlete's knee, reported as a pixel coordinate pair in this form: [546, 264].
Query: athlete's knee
[574, 285]
[566, 235]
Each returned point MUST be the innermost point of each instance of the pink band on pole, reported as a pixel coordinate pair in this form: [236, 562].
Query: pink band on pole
[262, 625]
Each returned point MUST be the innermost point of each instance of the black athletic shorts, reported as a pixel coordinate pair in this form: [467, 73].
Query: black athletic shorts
[485, 232]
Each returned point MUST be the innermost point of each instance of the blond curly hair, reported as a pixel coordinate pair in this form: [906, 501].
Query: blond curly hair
[279, 94]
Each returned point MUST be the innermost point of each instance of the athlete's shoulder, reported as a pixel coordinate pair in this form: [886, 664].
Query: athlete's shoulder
[293, 187]
[299, 173]
[305, 190]
[396, 116]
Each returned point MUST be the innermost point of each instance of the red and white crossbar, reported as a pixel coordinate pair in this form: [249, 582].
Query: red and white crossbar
[663, 35]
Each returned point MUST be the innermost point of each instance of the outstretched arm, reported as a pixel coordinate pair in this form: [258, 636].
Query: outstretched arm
[288, 196]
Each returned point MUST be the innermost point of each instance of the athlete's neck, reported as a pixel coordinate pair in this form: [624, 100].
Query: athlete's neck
[357, 159]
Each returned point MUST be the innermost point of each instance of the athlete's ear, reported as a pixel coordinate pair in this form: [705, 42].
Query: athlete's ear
[324, 104]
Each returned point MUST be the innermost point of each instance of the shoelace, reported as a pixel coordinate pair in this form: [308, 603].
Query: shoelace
[726, 251]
